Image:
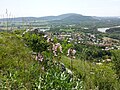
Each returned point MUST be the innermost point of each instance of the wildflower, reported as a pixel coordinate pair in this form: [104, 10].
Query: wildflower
[71, 52]
[57, 47]
[39, 57]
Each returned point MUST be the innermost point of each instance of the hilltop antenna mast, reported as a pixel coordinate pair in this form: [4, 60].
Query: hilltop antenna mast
[13, 22]
[3, 21]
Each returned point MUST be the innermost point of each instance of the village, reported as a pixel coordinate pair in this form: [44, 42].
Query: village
[106, 43]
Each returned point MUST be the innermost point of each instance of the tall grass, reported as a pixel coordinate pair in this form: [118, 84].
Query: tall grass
[95, 77]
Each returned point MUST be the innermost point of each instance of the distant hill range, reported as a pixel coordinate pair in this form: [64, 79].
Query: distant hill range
[63, 17]
[69, 18]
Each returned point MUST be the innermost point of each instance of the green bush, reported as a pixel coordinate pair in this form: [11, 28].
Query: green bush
[36, 42]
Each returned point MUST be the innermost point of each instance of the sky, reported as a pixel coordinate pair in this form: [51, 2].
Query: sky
[38, 8]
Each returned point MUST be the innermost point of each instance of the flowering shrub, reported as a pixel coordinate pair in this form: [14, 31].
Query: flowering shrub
[71, 53]
[56, 48]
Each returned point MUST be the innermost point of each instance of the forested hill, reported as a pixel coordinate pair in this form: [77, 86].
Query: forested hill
[74, 19]
[114, 30]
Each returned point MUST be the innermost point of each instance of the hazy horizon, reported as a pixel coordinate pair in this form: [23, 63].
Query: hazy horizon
[40, 8]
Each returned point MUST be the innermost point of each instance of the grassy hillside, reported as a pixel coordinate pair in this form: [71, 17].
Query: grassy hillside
[20, 71]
